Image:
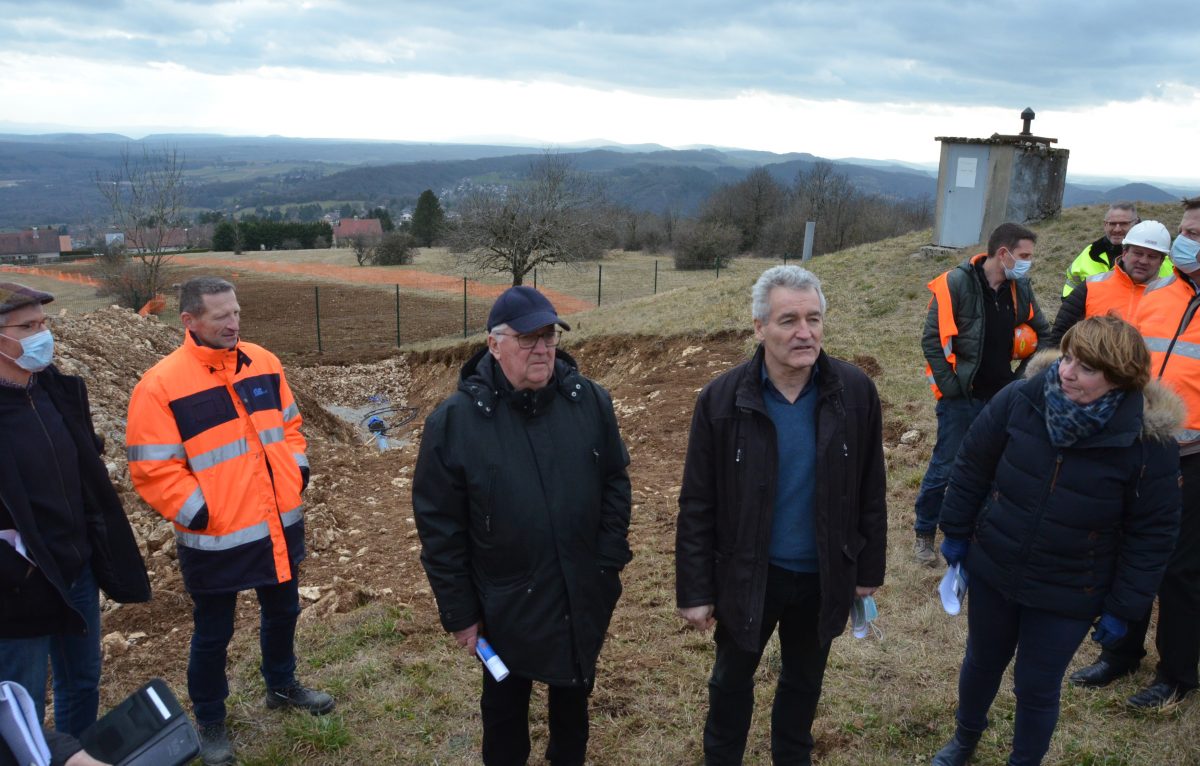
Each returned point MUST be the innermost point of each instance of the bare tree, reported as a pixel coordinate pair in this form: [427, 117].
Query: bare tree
[557, 216]
[146, 196]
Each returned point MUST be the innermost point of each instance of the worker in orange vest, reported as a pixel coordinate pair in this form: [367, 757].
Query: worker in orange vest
[214, 445]
[1142, 254]
[1167, 319]
[968, 346]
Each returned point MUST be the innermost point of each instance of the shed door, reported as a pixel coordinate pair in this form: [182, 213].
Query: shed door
[966, 191]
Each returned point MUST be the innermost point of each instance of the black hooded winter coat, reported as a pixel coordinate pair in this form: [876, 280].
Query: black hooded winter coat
[522, 503]
[1076, 530]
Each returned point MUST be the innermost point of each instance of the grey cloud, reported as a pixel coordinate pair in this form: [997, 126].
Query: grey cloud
[973, 53]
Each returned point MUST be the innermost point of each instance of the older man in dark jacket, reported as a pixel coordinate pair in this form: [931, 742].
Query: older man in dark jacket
[782, 515]
[522, 503]
[63, 531]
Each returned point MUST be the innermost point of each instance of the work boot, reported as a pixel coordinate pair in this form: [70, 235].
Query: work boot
[1160, 694]
[1101, 673]
[215, 749]
[960, 748]
[300, 698]
[923, 550]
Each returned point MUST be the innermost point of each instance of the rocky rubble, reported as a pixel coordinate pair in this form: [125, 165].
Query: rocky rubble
[112, 347]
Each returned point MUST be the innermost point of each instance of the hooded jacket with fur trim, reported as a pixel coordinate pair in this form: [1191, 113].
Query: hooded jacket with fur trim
[1076, 530]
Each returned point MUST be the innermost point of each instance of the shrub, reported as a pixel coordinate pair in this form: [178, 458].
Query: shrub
[395, 249]
[704, 245]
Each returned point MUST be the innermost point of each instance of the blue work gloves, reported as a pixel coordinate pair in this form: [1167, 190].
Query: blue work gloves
[954, 550]
[1109, 630]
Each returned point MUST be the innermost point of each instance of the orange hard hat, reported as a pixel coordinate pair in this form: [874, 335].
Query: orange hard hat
[1024, 342]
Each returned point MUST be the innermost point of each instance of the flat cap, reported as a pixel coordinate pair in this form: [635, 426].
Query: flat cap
[14, 296]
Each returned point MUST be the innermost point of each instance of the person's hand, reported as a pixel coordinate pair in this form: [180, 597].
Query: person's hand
[699, 617]
[862, 591]
[954, 549]
[467, 637]
[83, 759]
[1109, 630]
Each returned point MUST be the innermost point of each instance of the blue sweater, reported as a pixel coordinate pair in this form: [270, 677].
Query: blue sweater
[793, 536]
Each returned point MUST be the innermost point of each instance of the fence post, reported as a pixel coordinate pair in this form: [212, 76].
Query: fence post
[599, 281]
[656, 276]
[718, 267]
[317, 299]
[397, 316]
[464, 307]
[535, 278]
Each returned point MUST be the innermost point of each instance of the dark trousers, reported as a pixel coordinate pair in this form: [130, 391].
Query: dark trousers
[75, 660]
[1178, 636]
[954, 418]
[1044, 643]
[793, 603]
[504, 707]
[212, 615]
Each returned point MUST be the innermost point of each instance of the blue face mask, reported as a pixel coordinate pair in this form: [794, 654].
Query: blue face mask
[37, 351]
[1019, 268]
[1183, 254]
[862, 613]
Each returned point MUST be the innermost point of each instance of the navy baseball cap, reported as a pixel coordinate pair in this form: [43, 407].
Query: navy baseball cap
[524, 310]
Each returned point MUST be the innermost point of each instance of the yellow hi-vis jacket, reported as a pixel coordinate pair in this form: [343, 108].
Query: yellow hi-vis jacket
[214, 445]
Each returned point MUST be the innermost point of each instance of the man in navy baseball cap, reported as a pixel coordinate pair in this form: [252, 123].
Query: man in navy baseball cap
[524, 310]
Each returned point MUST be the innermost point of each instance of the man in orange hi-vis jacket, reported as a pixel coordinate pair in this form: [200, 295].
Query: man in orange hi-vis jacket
[215, 446]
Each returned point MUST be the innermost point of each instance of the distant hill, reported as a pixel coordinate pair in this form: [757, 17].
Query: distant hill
[51, 178]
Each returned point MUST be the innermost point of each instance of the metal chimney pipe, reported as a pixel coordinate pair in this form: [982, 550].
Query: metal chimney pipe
[1027, 116]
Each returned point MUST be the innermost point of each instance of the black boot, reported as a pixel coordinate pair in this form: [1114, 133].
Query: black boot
[959, 749]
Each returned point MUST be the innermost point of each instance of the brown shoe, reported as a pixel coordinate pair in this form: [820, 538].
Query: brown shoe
[924, 552]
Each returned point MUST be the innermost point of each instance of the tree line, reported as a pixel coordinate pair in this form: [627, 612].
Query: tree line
[555, 214]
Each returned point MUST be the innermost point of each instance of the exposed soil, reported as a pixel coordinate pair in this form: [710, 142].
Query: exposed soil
[361, 537]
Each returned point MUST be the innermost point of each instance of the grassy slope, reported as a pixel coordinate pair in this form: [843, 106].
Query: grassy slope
[886, 701]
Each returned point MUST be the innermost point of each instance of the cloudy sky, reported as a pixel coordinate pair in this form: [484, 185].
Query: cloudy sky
[1116, 82]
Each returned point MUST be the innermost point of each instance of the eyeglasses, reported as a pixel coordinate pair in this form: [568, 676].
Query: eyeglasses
[1119, 224]
[529, 340]
[33, 325]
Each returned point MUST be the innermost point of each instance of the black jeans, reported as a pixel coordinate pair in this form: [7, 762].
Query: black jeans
[1178, 636]
[793, 602]
[279, 606]
[1044, 643]
[504, 707]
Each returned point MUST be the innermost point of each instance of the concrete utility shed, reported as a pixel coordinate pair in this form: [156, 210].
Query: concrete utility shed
[983, 182]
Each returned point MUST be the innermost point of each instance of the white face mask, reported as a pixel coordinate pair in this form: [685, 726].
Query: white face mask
[37, 351]
[1019, 268]
[862, 613]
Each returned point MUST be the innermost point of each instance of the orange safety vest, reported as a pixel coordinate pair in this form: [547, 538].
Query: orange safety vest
[947, 327]
[218, 429]
[1113, 291]
[1166, 319]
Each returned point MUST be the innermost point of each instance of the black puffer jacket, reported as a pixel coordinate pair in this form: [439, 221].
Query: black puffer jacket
[727, 499]
[33, 602]
[522, 503]
[1077, 530]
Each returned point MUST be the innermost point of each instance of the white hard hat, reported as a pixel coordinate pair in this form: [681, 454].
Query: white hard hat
[1150, 234]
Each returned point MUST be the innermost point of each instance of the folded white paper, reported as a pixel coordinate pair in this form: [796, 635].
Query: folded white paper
[953, 589]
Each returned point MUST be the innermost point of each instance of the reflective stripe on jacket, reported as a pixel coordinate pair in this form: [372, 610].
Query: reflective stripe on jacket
[1166, 319]
[217, 432]
[944, 312]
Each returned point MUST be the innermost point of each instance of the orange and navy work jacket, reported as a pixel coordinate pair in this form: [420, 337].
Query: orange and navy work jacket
[1113, 291]
[216, 433]
[952, 340]
[1166, 318]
